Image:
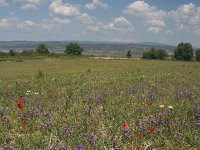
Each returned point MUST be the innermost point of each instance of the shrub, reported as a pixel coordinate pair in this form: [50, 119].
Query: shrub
[197, 53]
[42, 49]
[155, 54]
[11, 52]
[73, 49]
[184, 51]
[128, 54]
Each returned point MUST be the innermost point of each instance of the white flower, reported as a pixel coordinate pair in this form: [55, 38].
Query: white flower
[170, 107]
[36, 93]
[161, 106]
[28, 91]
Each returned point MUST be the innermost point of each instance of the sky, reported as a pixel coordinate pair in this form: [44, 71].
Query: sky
[135, 21]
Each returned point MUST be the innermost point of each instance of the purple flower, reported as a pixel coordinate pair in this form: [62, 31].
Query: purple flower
[126, 132]
[47, 113]
[56, 147]
[117, 148]
[198, 115]
[8, 147]
[63, 146]
[49, 122]
[79, 147]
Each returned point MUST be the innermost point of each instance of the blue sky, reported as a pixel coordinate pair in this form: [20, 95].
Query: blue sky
[163, 21]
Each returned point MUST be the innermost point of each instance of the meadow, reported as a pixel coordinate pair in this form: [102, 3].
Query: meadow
[87, 104]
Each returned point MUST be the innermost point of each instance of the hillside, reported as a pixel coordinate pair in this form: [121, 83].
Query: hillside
[91, 48]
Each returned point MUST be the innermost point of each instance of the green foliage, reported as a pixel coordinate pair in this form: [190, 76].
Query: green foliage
[128, 54]
[197, 53]
[42, 49]
[11, 52]
[40, 75]
[73, 49]
[184, 51]
[155, 54]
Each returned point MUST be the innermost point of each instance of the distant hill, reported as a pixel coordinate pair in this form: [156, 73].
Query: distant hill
[91, 48]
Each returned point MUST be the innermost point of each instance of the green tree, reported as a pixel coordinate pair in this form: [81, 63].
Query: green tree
[197, 53]
[11, 52]
[42, 49]
[161, 54]
[184, 51]
[128, 54]
[155, 54]
[73, 49]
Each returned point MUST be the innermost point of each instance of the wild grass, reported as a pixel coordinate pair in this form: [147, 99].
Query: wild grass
[83, 103]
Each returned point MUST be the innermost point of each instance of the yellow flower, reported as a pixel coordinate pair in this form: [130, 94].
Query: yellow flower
[133, 129]
[161, 106]
[171, 107]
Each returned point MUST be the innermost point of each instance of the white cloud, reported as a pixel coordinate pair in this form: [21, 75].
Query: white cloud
[155, 23]
[3, 3]
[26, 24]
[4, 23]
[95, 4]
[29, 4]
[154, 29]
[140, 8]
[153, 17]
[86, 18]
[187, 18]
[60, 8]
[119, 24]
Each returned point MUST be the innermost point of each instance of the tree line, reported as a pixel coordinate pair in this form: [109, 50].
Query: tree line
[184, 52]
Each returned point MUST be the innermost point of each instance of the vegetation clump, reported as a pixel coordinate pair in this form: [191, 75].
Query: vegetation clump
[73, 49]
[155, 54]
[184, 51]
[42, 49]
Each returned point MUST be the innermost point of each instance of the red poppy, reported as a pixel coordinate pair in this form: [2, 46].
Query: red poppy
[151, 104]
[24, 122]
[20, 105]
[152, 130]
[140, 135]
[125, 126]
[20, 96]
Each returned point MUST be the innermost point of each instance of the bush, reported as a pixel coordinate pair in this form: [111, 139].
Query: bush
[197, 53]
[73, 49]
[11, 52]
[42, 49]
[155, 54]
[128, 54]
[184, 51]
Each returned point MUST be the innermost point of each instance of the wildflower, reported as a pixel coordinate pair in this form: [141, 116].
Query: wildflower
[161, 106]
[150, 103]
[152, 130]
[24, 122]
[125, 126]
[198, 115]
[8, 147]
[17, 84]
[133, 129]
[20, 105]
[140, 135]
[21, 96]
[170, 107]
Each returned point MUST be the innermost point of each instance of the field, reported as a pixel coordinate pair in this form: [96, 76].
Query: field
[83, 103]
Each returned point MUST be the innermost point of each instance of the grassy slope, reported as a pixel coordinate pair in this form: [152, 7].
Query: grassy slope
[90, 100]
